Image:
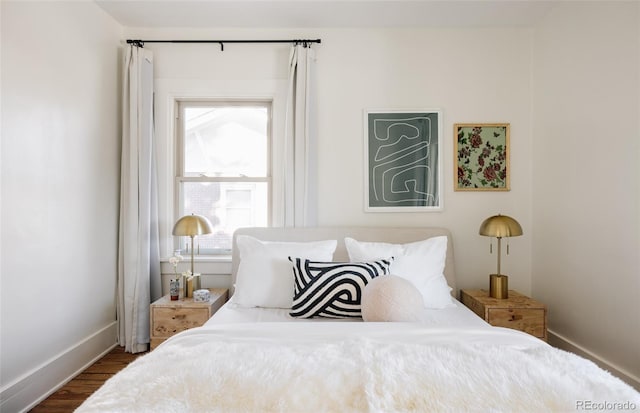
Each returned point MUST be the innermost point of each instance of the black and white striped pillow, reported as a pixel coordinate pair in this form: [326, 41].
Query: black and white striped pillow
[331, 289]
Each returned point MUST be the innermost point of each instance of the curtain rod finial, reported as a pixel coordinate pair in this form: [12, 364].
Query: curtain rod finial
[135, 42]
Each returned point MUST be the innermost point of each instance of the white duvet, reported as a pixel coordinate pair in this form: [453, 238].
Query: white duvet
[357, 367]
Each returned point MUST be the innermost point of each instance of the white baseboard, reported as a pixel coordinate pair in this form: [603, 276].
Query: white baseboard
[33, 387]
[564, 343]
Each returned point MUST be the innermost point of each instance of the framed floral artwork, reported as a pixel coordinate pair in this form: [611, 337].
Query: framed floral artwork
[481, 157]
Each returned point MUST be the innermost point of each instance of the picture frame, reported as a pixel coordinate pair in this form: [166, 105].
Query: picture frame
[403, 160]
[481, 157]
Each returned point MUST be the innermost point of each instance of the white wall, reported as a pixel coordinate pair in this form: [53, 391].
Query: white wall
[586, 178]
[474, 75]
[60, 179]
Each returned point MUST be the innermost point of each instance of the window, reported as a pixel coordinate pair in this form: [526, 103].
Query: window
[223, 168]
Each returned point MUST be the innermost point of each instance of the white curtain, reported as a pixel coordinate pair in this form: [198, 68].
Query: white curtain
[138, 250]
[300, 144]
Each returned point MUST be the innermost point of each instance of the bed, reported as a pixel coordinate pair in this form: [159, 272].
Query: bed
[254, 356]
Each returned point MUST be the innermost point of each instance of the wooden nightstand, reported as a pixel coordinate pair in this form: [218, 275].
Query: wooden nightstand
[518, 311]
[168, 318]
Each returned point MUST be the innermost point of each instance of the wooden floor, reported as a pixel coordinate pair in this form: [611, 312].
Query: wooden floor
[72, 394]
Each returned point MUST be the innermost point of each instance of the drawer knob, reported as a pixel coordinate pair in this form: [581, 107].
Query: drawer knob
[179, 317]
[516, 317]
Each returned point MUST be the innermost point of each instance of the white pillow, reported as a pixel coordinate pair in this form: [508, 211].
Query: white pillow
[265, 277]
[420, 262]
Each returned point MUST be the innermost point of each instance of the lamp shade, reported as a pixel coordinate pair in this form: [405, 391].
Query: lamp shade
[500, 226]
[192, 225]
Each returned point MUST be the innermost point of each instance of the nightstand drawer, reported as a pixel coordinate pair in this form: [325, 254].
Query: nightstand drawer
[528, 320]
[169, 321]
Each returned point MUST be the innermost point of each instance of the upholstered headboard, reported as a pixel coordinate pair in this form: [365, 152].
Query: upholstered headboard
[394, 235]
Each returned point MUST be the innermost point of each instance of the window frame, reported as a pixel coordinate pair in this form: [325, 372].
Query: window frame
[179, 178]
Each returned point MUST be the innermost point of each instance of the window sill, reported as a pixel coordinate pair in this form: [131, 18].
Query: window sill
[202, 258]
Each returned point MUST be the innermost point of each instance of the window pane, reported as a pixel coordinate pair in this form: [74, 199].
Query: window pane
[238, 197]
[228, 205]
[228, 141]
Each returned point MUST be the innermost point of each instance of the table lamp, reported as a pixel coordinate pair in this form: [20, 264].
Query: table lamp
[500, 226]
[192, 226]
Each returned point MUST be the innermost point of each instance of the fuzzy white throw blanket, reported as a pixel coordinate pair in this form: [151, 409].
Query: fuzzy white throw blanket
[286, 367]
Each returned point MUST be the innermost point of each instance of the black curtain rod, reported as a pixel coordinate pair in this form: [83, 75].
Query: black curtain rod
[305, 42]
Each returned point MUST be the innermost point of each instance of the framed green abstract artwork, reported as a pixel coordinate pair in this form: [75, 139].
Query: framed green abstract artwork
[402, 160]
[481, 157]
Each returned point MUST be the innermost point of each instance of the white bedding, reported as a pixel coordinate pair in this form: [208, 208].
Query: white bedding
[263, 360]
[356, 367]
[459, 316]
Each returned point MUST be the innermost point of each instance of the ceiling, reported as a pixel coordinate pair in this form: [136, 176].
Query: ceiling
[325, 13]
